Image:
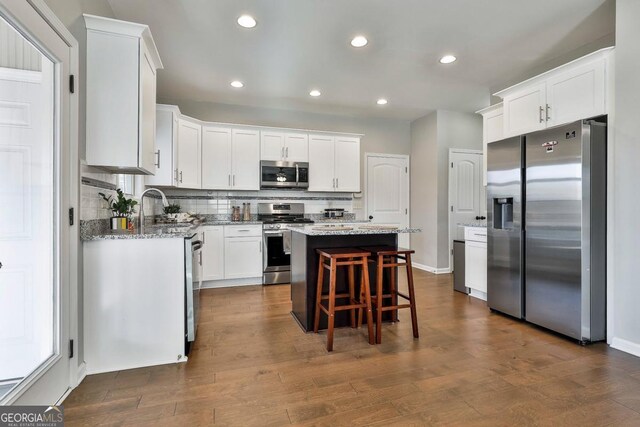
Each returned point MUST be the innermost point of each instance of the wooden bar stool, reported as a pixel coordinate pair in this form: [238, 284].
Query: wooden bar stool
[331, 259]
[388, 257]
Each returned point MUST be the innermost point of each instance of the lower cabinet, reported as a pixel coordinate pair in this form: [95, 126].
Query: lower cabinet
[242, 257]
[476, 266]
[231, 252]
[213, 253]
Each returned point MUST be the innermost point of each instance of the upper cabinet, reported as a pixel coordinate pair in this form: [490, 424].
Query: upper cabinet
[334, 163]
[284, 146]
[189, 146]
[574, 91]
[230, 158]
[166, 147]
[122, 61]
[492, 130]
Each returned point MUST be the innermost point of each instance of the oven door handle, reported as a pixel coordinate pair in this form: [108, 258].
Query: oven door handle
[196, 245]
[297, 174]
[272, 233]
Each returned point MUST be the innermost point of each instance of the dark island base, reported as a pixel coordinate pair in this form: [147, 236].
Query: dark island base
[304, 274]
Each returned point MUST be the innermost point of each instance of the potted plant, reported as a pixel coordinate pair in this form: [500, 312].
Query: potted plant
[122, 209]
[172, 211]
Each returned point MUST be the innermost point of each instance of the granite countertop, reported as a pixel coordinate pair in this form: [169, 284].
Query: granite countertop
[475, 224]
[310, 230]
[228, 222]
[150, 232]
[340, 221]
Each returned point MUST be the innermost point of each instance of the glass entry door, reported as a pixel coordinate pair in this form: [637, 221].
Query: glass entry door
[34, 192]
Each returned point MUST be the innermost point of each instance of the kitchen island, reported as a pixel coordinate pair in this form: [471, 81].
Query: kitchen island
[304, 264]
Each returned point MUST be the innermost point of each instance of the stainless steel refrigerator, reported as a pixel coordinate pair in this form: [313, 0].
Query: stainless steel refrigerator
[546, 248]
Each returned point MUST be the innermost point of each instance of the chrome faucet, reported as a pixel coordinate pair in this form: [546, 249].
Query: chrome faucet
[165, 203]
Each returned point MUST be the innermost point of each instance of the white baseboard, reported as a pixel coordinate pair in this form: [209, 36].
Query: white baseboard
[626, 346]
[211, 284]
[431, 269]
[82, 372]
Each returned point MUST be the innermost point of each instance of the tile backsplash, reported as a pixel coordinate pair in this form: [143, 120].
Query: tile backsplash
[204, 202]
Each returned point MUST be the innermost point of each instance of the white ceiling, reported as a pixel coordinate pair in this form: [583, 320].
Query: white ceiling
[303, 44]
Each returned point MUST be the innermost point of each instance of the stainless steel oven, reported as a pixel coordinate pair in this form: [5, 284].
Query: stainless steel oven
[276, 238]
[284, 174]
[276, 255]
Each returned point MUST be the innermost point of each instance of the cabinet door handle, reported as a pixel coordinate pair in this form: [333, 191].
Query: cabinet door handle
[158, 162]
[547, 112]
[229, 180]
[287, 155]
[181, 177]
[234, 179]
[282, 152]
[200, 253]
[260, 246]
[175, 175]
[337, 183]
[541, 112]
[334, 183]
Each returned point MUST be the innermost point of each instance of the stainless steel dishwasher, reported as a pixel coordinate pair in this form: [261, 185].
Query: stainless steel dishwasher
[458, 267]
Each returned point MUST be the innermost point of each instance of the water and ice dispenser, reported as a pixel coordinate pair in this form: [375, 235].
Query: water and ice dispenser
[503, 213]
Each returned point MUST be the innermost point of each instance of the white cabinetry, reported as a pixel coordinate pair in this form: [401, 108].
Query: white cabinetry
[334, 163]
[524, 110]
[189, 141]
[245, 159]
[230, 158]
[166, 147]
[242, 251]
[347, 169]
[476, 261]
[574, 91]
[122, 60]
[284, 146]
[492, 130]
[213, 253]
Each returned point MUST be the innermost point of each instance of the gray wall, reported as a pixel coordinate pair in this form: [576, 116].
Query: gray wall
[424, 188]
[455, 130]
[626, 177]
[431, 138]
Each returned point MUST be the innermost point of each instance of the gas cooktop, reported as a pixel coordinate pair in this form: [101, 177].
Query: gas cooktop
[285, 220]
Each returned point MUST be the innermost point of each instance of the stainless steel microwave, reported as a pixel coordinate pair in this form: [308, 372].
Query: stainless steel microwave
[284, 174]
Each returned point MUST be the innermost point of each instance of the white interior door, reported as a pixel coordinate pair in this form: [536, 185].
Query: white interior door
[387, 194]
[466, 193]
[35, 234]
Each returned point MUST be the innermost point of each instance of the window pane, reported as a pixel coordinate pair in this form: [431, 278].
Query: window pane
[28, 288]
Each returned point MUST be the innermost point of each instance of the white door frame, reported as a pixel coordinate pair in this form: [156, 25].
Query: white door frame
[366, 180]
[73, 188]
[450, 197]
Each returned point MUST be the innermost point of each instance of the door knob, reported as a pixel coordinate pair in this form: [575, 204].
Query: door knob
[370, 216]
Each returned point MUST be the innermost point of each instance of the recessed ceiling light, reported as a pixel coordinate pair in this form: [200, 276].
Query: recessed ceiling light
[447, 59]
[247, 21]
[237, 84]
[382, 101]
[315, 92]
[359, 41]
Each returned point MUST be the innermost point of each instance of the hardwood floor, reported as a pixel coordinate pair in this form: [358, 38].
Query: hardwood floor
[252, 365]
